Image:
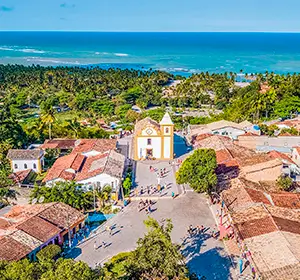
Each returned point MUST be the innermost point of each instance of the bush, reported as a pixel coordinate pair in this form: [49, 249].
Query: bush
[284, 182]
[127, 185]
[49, 253]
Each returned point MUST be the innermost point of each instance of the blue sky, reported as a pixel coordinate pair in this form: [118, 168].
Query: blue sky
[151, 15]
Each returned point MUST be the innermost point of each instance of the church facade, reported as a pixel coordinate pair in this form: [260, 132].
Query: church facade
[153, 140]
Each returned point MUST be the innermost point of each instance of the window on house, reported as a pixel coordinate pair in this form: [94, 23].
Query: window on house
[25, 165]
[34, 166]
[16, 166]
[112, 184]
[167, 130]
[149, 141]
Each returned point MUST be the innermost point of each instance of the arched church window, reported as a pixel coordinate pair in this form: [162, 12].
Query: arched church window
[149, 141]
[167, 130]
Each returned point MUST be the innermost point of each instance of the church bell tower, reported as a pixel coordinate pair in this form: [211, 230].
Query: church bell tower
[167, 137]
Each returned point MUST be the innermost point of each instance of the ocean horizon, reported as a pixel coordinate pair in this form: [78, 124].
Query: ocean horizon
[181, 53]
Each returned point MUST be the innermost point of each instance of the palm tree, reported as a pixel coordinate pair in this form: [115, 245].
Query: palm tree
[104, 194]
[74, 125]
[48, 118]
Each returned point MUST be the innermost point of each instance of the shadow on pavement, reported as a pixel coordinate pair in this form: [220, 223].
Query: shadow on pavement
[212, 263]
[74, 253]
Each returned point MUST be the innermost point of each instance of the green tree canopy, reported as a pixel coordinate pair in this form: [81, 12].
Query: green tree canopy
[198, 170]
[49, 252]
[67, 192]
[155, 257]
[66, 269]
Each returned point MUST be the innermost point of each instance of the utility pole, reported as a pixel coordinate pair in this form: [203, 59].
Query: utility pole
[69, 233]
[94, 197]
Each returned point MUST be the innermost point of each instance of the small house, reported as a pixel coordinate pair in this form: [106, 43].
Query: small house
[26, 159]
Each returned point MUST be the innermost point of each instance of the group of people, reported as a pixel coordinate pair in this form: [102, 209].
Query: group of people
[160, 173]
[201, 229]
[96, 246]
[149, 190]
[145, 205]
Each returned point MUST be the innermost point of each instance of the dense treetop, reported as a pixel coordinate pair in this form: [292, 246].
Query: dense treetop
[198, 170]
[31, 95]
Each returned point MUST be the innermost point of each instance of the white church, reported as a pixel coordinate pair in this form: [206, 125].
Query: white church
[153, 140]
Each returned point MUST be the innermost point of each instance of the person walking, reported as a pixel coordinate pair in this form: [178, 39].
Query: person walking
[159, 188]
[173, 195]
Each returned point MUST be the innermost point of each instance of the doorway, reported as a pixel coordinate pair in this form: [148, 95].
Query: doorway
[149, 152]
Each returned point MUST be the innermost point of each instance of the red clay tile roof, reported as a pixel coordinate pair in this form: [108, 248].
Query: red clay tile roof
[226, 150]
[62, 215]
[20, 176]
[39, 228]
[223, 156]
[257, 196]
[12, 250]
[282, 156]
[256, 227]
[203, 136]
[4, 224]
[63, 144]
[78, 161]
[286, 200]
[99, 145]
[287, 225]
[58, 170]
[111, 163]
[88, 171]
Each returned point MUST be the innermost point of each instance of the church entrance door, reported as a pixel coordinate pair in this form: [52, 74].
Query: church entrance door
[149, 152]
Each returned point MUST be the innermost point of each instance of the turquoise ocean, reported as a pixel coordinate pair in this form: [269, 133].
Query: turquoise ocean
[179, 53]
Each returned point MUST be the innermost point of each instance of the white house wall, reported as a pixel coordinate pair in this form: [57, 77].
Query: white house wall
[143, 146]
[229, 131]
[296, 157]
[30, 165]
[103, 179]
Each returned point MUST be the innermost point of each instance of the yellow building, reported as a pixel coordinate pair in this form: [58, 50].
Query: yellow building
[153, 140]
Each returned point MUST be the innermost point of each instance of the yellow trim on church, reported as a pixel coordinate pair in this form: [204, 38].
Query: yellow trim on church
[146, 123]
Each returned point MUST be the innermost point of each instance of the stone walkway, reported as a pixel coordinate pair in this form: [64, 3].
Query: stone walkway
[204, 254]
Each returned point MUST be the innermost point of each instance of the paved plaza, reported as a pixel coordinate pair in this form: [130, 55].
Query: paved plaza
[204, 254]
[146, 181]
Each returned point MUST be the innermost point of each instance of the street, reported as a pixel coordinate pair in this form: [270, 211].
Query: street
[204, 254]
